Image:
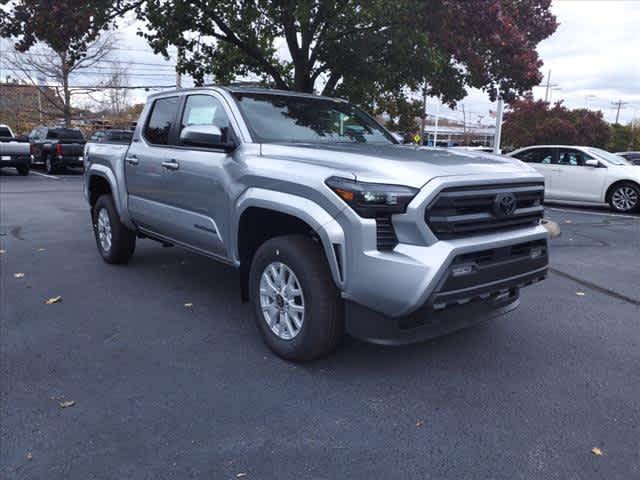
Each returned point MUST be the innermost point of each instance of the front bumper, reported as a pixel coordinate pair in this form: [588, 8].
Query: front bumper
[444, 312]
[425, 323]
[397, 283]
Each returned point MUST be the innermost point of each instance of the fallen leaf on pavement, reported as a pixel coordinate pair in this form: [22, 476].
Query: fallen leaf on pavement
[67, 403]
[18, 275]
[188, 305]
[52, 300]
[580, 294]
[419, 423]
[596, 451]
[29, 456]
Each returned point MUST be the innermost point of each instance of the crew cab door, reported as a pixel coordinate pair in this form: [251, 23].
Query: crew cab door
[576, 181]
[144, 171]
[197, 179]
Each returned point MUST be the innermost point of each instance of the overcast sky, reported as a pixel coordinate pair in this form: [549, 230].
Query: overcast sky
[594, 58]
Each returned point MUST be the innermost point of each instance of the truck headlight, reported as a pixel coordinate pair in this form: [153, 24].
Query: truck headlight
[370, 200]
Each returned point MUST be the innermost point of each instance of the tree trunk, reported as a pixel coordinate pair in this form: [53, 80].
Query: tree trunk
[67, 96]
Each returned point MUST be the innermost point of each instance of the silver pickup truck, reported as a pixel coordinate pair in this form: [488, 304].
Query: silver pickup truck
[333, 225]
[14, 153]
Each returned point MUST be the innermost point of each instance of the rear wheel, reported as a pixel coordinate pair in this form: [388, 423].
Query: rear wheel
[297, 307]
[625, 198]
[23, 170]
[115, 241]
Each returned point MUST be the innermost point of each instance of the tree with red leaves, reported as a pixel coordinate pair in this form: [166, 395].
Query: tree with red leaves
[535, 122]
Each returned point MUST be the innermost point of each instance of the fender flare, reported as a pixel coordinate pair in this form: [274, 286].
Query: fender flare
[324, 225]
[118, 195]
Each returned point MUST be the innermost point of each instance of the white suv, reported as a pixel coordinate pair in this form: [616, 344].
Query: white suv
[585, 175]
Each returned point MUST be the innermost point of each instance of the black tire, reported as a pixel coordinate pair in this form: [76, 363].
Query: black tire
[632, 191]
[123, 240]
[23, 170]
[49, 166]
[323, 323]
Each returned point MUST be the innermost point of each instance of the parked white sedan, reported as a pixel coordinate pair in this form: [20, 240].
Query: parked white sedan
[585, 175]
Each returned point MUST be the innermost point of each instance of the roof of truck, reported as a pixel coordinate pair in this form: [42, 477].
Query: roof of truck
[249, 89]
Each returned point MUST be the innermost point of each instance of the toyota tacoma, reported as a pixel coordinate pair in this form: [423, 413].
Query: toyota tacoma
[334, 226]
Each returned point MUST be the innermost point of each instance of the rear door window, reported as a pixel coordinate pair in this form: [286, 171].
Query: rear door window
[543, 156]
[161, 120]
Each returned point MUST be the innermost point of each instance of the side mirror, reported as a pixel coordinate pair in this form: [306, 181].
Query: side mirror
[207, 136]
[592, 163]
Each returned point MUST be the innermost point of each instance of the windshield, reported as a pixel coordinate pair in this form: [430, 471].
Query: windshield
[608, 156]
[275, 118]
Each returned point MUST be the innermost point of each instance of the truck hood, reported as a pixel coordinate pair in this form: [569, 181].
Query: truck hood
[397, 164]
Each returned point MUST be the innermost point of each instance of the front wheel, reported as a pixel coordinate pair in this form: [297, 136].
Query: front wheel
[115, 241]
[296, 304]
[625, 198]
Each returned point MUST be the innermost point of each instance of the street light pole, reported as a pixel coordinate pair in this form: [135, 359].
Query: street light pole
[498, 136]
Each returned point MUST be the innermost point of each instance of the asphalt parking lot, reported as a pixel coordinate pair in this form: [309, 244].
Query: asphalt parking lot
[163, 391]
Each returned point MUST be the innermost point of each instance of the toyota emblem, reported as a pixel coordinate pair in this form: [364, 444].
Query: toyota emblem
[504, 205]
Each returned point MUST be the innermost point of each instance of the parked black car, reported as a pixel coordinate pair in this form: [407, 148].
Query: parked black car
[112, 136]
[633, 157]
[56, 147]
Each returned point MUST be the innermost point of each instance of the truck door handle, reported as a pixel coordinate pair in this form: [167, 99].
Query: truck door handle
[171, 165]
[133, 160]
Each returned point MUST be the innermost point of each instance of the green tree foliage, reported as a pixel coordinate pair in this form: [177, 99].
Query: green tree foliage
[624, 138]
[354, 48]
[357, 48]
[401, 111]
[531, 122]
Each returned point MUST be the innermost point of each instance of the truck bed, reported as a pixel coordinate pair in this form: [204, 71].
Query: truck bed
[10, 147]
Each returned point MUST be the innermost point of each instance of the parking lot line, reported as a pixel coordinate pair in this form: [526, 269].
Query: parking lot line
[45, 175]
[587, 212]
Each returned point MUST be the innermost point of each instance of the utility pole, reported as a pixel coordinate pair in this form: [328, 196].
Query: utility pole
[178, 76]
[464, 125]
[435, 136]
[618, 104]
[423, 123]
[498, 135]
[546, 94]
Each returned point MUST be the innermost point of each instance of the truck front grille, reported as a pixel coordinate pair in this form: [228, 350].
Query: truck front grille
[459, 212]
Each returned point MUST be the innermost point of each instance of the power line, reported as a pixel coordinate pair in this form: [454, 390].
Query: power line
[88, 87]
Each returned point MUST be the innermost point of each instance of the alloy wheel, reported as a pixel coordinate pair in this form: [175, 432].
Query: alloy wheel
[281, 300]
[104, 229]
[625, 198]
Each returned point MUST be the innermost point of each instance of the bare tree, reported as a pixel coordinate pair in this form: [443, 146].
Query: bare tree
[44, 65]
[117, 93]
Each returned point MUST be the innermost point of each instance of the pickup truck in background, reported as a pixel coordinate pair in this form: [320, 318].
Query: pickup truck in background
[333, 225]
[14, 152]
[57, 148]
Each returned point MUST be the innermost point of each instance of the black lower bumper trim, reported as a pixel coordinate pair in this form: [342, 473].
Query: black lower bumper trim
[425, 323]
